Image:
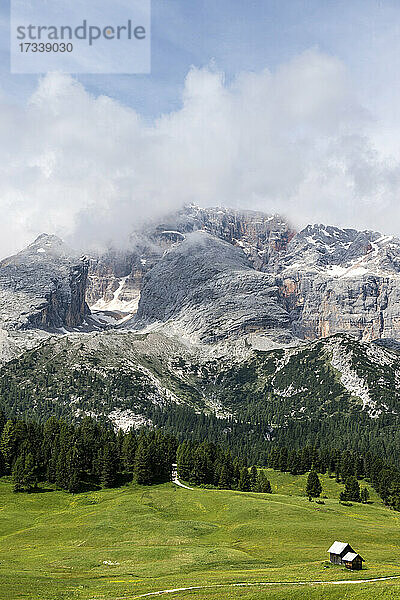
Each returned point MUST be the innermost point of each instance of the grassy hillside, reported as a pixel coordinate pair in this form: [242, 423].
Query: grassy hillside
[121, 543]
[295, 485]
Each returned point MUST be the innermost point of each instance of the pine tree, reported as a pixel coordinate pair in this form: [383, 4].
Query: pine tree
[236, 474]
[294, 463]
[394, 496]
[347, 465]
[184, 460]
[128, 451]
[18, 474]
[244, 481]
[7, 444]
[202, 465]
[108, 476]
[74, 484]
[62, 474]
[30, 474]
[263, 484]
[253, 478]
[74, 471]
[143, 471]
[351, 490]
[50, 447]
[225, 481]
[314, 487]
[364, 495]
[283, 459]
[383, 481]
[2, 465]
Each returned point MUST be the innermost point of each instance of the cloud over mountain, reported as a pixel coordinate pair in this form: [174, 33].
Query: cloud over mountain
[295, 141]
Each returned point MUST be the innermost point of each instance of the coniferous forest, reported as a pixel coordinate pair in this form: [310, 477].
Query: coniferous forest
[89, 455]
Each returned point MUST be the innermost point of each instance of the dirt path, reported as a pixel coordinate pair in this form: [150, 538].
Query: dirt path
[177, 482]
[266, 583]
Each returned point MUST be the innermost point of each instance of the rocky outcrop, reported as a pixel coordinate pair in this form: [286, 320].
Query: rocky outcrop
[327, 279]
[261, 236]
[44, 286]
[206, 290]
[335, 280]
[116, 278]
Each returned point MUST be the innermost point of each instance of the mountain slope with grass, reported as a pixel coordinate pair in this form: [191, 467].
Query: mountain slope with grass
[101, 544]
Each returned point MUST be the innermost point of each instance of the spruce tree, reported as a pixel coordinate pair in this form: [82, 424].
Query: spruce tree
[225, 480]
[253, 478]
[30, 474]
[73, 470]
[236, 473]
[18, 475]
[62, 474]
[129, 446]
[244, 481]
[202, 465]
[283, 460]
[364, 495]
[314, 487]
[351, 490]
[143, 471]
[263, 484]
[108, 477]
[383, 481]
[2, 465]
[294, 467]
[74, 484]
[7, 444]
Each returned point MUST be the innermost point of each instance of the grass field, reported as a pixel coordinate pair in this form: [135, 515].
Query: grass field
[118, 544]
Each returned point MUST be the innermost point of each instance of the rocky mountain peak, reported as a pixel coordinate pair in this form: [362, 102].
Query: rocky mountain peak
[49, 243]
[44, 248]
[43, 286]
[206, 290]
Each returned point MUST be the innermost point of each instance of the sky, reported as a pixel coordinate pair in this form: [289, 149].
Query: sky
[288, 106]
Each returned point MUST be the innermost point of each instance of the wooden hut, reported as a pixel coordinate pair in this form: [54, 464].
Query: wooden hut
[353, 561]
[337, 551]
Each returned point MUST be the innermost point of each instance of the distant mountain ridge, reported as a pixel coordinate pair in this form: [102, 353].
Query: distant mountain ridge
[214, 320]
[277, 285]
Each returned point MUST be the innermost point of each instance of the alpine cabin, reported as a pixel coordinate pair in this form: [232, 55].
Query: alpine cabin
[353, 561]
[337, 551]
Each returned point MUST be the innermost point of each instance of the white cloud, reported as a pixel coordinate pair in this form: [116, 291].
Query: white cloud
[294, 141]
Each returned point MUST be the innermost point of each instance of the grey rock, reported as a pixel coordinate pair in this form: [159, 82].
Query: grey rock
[43, 287]
[337, 280]
[206, 290]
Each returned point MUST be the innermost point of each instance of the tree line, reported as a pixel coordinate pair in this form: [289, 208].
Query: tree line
[78, 457]
[204, 463]
[90, 454]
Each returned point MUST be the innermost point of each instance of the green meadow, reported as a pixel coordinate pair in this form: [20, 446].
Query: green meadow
[121, 543]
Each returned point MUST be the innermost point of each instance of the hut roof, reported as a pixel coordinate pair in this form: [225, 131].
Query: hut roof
[338, 547]
[350, 556]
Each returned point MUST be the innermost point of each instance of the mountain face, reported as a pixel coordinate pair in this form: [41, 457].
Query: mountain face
[43, 287]
[342, 280]
[324, 279]
[210, 276]
[336, 387]
[206, 290]
[116, 279]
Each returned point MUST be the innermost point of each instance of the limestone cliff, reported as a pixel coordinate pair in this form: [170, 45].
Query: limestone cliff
[44, 286]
